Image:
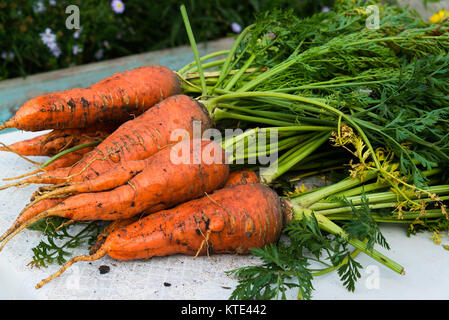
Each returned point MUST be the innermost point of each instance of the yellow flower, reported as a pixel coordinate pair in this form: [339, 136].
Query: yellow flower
[440, 15]
[360, 11]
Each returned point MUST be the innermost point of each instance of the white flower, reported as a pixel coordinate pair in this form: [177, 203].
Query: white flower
[4, 55]
[76, 49]
[325, 9]
[11, 55]
[106, 44]
[48, 37]
[236, 27]
[52, 2]
[38, 7]
[118, 6]
[99, 54]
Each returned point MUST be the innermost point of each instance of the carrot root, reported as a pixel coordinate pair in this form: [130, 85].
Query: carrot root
[17, 229]
[97, 255]
[16, 184]
[24, 175]
[4, 146]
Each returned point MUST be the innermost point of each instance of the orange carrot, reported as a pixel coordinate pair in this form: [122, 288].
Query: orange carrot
[159, 183]
[51, 143]
[68, 159]
[118, 98]
[60, 140]
[244, 176]
[29, 147]
[134, 140]
[235, 178]
[231, 220]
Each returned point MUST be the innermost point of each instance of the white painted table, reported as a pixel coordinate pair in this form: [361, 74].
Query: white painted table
[426, 264]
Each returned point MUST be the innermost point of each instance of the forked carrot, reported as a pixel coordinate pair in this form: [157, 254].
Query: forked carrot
[159, 183]
[238, 177]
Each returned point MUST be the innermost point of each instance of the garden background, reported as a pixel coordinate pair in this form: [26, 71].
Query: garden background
[34, 37]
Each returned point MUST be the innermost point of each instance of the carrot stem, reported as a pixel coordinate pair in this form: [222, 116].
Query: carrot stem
[192, 64]
[329, 226]
[192, 41]
[226, 66]
[63, 153]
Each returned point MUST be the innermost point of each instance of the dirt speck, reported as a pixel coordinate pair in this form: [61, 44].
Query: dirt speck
[167, 284]
[104, 269]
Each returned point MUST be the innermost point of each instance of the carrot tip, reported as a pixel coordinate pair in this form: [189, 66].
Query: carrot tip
[24, 175]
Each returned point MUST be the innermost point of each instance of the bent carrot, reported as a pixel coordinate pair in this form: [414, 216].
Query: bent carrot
[231, 220]
[161, 184]
[118, 98]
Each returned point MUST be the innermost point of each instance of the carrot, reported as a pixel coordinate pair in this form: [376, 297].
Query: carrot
[238, 177]
[51, 143]
[60, 140]
[134, 140]
[118, 98]
[158, 184]
[30, 147]
[63, 162]
[68, 159]
[244, 176]
[231, 220]
[106, 182]
[114, 225]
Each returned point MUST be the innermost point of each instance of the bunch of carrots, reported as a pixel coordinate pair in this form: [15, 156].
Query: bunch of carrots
[130, 178]
[112, 148]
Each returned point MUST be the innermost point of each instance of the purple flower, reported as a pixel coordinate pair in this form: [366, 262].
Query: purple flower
[52, 2]
[49, 39]
[236, 27]
[77, 33]
[55, 51]
[99, 54]
[38, 7]
[76, 49]
[7, 55]
[325, 9]
[118, 6]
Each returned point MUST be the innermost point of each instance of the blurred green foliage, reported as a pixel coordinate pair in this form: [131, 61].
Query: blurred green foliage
[26, 26]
